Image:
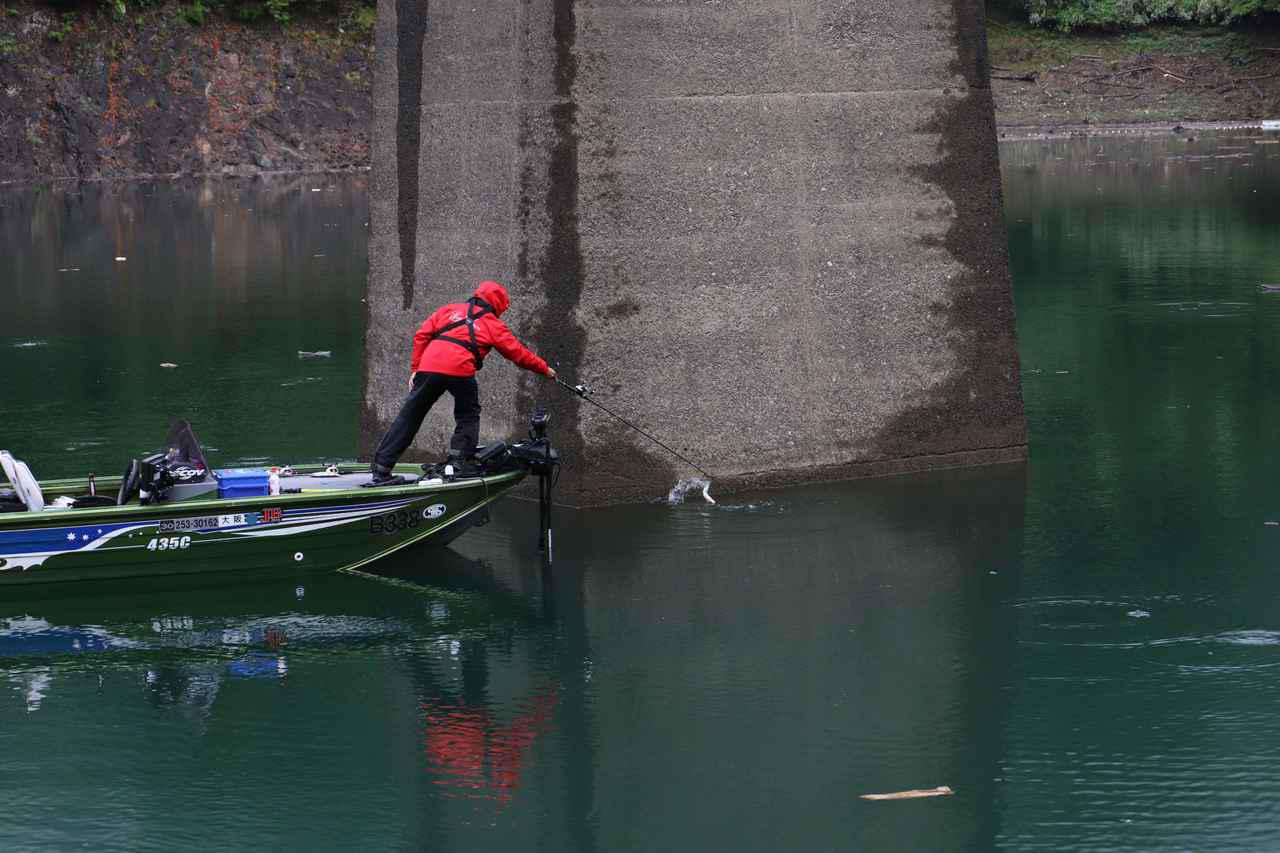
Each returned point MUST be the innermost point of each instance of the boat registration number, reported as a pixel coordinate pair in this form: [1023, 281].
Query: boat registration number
[393, 522]
[169, 543]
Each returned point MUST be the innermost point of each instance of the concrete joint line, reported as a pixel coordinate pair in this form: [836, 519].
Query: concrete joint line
[782, 97]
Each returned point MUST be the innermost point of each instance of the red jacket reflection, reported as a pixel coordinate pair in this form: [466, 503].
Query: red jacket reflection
[480, 758]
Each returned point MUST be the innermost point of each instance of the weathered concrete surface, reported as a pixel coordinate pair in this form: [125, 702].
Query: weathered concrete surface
[769, 232]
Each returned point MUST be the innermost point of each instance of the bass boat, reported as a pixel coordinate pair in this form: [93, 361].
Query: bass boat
[170, 513]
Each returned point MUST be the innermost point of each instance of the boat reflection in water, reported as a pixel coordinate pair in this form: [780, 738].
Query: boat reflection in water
[422, 629]
[25, 636]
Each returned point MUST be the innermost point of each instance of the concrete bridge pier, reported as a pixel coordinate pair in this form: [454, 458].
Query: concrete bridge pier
[769, 231]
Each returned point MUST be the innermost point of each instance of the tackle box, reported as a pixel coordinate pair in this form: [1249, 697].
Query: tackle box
[242, 482]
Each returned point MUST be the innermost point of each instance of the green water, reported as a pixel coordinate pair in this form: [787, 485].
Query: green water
[1083, 647]
[1148, 619]
[227, 280]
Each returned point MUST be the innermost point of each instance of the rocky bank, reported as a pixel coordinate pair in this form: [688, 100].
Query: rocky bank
[87, 95]
[1043, 81]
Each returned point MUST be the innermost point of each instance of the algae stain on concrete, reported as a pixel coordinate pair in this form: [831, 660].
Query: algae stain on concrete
[979, 406]
[411, 18]
[556, 335]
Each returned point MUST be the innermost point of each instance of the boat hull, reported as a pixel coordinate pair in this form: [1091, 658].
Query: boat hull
[339, 529]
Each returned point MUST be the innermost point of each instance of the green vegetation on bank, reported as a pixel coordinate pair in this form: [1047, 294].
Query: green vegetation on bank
[359, 14]
[1067, 15]
[1017, 45]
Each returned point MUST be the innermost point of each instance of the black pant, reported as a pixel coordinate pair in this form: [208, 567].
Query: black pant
[427, 388]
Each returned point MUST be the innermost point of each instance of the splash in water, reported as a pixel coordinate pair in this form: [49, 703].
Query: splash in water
[684, 487]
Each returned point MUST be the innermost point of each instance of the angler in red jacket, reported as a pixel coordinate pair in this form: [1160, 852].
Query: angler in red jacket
[447, 351]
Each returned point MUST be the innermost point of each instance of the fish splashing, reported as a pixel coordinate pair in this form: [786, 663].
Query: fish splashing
[684, 487]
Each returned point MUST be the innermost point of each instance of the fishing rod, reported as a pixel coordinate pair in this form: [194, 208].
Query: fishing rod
[585, 393]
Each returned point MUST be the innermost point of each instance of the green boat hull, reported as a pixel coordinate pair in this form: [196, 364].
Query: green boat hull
[323, 530]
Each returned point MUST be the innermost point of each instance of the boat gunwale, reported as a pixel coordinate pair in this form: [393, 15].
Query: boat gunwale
[227, 505]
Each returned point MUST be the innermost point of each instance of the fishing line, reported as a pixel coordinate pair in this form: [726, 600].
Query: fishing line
[584, 392]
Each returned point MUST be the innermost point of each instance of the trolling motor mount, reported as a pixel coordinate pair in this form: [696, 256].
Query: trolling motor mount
[538, 425]
[537, 454]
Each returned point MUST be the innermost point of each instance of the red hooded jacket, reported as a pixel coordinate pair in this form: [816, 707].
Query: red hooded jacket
[437, 356]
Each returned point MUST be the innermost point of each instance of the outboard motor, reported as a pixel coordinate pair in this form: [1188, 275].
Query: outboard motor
[155, 480]
[181, 466]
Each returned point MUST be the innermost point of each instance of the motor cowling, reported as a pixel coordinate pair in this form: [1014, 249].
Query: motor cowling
[162, 471]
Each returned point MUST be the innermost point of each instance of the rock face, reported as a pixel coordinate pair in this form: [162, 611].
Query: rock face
[84, 95]
[768, 232]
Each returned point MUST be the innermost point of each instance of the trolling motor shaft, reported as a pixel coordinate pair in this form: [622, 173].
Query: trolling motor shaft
[542, 460]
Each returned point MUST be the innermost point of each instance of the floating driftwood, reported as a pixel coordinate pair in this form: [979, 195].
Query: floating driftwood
[940, 791]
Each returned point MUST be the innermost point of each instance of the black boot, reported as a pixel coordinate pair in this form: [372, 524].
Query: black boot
[463, 464]
[382, 476]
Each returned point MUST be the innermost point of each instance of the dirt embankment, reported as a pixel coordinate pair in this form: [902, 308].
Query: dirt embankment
[1044, 80]
[88, 96]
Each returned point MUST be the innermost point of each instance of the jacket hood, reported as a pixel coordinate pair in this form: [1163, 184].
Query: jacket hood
[495, 294]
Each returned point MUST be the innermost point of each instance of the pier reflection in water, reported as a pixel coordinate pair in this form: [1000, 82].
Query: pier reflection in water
[686, 677]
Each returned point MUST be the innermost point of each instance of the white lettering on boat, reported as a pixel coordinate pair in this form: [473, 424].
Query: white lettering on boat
[434, 511]
[169, 543]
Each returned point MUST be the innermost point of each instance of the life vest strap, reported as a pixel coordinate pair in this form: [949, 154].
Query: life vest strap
[476, 308]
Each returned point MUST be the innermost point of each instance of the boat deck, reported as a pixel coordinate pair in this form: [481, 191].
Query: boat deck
[306, 480]
[355, 480]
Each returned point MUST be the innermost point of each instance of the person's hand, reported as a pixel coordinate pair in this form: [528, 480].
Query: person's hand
[551, 371]
[411, 375]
